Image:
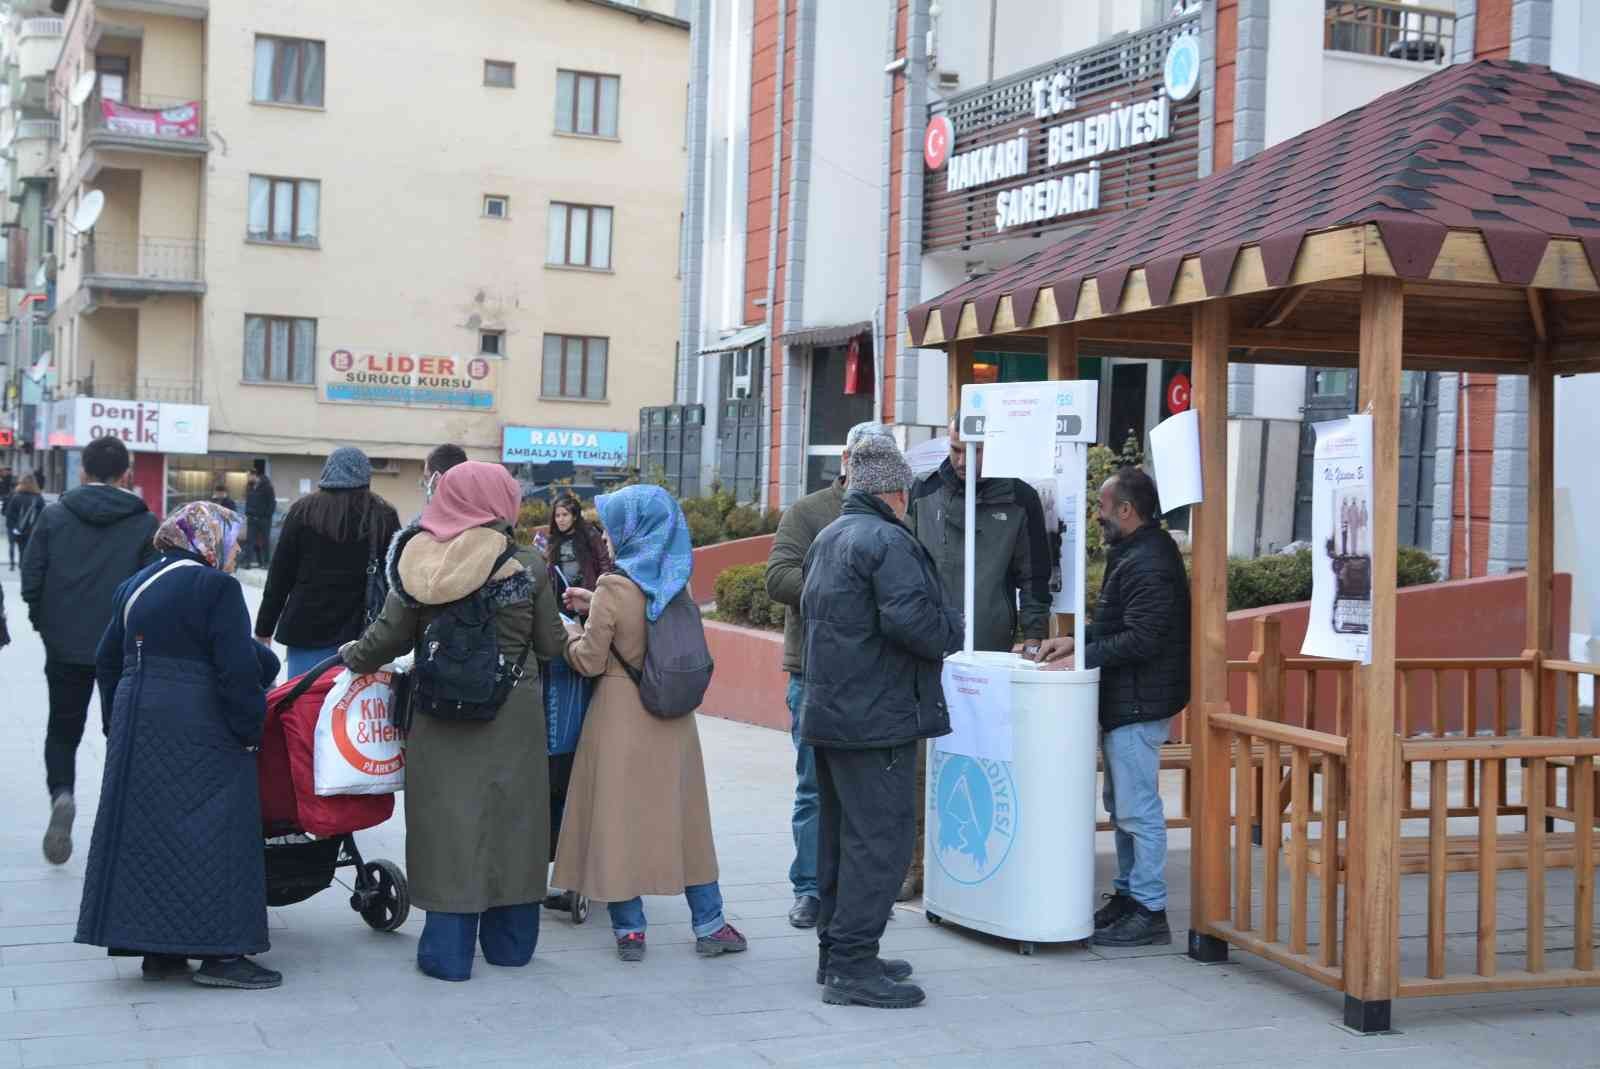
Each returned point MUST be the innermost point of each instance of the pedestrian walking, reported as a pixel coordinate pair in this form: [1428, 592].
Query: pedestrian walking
[876, 635]
[8, 486]
[78, 552]
[1140, 642]
[1011, 586]
[318, 594]
[798, 528]
[176, 870]
[477, 819]
[260, 506]
[22, 512]
[439, 460]
[220, 498]
[638, 820]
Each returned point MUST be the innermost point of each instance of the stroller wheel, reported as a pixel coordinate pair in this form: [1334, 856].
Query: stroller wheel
[580, 909]
[390, 900]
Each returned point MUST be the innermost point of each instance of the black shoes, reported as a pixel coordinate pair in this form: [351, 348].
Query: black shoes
[157, 967]
[804, 913]
[58, 834]
[237, 972]
[894, 968]
[1116, 907]
[1138, 927]
[878, 992]
[630, 948]
[560, 902]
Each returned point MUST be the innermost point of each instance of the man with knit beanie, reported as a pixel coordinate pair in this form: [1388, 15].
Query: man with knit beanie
[876, 632]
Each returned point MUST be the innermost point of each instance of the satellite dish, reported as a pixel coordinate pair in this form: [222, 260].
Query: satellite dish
[82, 88]
[88, 213]
[40, 278]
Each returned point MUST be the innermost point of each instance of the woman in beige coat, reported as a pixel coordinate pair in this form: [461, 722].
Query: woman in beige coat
[637, 820]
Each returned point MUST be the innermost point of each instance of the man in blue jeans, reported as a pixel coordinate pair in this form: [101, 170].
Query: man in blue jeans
[1140, 642]
[799, 527]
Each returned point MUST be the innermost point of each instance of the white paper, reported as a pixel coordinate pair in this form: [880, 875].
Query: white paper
[1340, 620]
[1020, 431]
[1175, 452]
[305, 486]
[979, 699]
[1071, 474]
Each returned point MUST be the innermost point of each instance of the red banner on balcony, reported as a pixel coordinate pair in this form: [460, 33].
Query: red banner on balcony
[181, 120]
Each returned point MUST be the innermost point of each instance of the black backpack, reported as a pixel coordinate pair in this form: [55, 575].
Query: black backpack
[460, 673]
[677, 661]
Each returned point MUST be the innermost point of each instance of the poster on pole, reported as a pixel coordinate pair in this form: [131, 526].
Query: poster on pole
[1340, 624]
[1072, 463]
[1016, 422]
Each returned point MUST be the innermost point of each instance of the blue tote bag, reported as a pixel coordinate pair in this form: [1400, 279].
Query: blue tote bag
[566, 700]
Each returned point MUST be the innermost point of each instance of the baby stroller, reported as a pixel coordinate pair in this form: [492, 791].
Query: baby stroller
[307, 837]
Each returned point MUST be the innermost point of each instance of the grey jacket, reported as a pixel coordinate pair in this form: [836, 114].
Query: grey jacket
[801, 524]
[1013, 553]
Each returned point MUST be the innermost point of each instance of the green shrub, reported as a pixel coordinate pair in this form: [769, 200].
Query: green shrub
[770, 521]
[742, 598]
[1416, 567]
[1282, 578]
[741, 522]
[704, 530]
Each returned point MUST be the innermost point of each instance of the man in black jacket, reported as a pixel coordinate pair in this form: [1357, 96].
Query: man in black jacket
[1140, 642]
[876, 634]
[81, 550]
[260, 505]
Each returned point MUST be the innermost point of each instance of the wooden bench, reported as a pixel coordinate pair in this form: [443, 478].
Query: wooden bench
[1461, 853]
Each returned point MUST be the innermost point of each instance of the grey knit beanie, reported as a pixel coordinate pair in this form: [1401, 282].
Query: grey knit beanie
[878, 467]
[347, 469]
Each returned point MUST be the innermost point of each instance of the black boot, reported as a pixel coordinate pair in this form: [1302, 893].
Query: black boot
[894, 968]
[1116, 907]
[237, 972]
[878, 991]
[1139, 927]
[804, 913]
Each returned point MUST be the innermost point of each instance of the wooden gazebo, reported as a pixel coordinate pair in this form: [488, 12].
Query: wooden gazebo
[1452, 225]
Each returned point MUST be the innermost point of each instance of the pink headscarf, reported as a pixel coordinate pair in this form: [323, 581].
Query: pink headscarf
[470, 495]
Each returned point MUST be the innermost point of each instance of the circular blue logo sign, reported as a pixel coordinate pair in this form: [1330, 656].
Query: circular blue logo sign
[1182, 71]
[976, 804]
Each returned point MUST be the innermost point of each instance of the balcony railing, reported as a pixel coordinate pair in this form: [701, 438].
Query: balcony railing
[152, 120]
[172, 391]
[1389, 29]
[161, 260]
[43, 27]
[44, 129]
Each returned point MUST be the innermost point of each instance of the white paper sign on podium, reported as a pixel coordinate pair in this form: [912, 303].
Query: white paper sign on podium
[979, 699]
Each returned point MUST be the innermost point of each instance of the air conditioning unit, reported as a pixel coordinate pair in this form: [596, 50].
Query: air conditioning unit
[384, 465]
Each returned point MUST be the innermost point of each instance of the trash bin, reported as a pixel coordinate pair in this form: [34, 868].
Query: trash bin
[1010, 844]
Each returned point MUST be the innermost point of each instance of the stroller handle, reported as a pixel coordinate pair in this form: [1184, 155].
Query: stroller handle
[308, 679]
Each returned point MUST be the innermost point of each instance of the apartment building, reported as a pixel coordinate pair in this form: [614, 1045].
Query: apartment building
[287, 226]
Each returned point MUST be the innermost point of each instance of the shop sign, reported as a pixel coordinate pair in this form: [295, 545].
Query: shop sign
[548, 445]
[143, 426]
[408, 380]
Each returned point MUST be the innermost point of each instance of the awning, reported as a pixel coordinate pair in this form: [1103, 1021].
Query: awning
[817, 337]
[740, 340]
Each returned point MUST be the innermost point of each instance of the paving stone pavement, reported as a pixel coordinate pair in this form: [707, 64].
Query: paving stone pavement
[353, 998]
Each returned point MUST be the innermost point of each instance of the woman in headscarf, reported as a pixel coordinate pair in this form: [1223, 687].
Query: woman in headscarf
[637, 818]
[477, 796]
[332, 546]
[175, 867]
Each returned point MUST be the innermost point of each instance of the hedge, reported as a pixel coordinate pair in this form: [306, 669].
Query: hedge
[713, 519]
[742, 598]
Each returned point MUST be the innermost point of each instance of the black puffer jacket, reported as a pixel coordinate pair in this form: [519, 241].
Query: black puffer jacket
[876, 633]
[316, 593]
[1140, 636]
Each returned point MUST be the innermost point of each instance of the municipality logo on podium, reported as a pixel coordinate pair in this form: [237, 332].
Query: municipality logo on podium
[975, 801]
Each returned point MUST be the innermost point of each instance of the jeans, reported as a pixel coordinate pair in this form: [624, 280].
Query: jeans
[303, 659]
[705, 912]
[864, 835]
[508, 934]
[71, 689]
[803, 873]
[1133, 798]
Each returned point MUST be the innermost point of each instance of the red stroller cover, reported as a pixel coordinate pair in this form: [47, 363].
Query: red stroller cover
[289, 801]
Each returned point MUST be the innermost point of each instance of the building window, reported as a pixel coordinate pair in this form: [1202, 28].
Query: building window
[285, 209]
[492, 342]
[496, 207]
[289, 71]
[587, 103]
[113, 72]
[580, 236]
[279, 349]
[498, 75]
[575, 367]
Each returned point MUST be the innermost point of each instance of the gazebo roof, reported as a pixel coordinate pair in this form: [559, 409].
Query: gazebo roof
[1508, 152]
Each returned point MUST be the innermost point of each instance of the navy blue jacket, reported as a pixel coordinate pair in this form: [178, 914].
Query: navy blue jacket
[176, 864]
[876, 633]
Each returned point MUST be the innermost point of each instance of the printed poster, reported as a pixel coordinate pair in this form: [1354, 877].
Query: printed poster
[1072, 462]
[1340, 626]
[979, 699]
[182, 120]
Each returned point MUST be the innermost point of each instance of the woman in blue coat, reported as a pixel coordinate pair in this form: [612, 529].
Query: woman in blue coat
[175, 867]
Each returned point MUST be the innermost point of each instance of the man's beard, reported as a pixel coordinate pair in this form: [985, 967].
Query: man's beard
[1110, 533]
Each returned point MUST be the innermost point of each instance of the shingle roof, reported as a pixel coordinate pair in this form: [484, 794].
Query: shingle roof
[1507, 149]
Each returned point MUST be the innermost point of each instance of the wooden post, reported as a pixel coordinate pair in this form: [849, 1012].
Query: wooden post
[1208, 647]
[1541, 535]
[961, 356]
[1371, 886]
[1063, 344]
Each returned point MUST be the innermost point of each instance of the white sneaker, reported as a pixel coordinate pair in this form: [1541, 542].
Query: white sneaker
[58, 836]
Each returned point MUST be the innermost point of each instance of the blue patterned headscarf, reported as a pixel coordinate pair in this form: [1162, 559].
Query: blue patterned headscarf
[650, 540]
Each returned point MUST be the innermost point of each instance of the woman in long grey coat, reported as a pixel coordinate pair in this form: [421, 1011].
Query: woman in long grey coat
[477, 794]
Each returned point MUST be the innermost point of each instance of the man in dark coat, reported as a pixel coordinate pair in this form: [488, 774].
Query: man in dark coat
[1140, 642]
[876, 635]
[260, 505]
[801, 523]
[1011, 587]
[82, 547]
